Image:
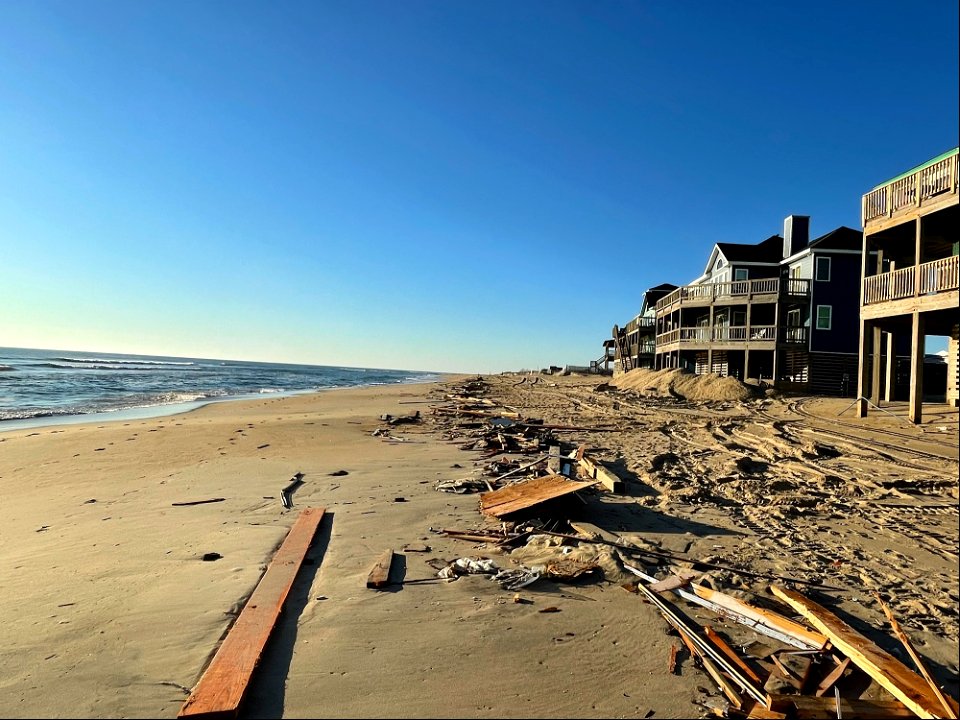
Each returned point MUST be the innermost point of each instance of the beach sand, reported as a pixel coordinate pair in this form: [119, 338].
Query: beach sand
[109, 611]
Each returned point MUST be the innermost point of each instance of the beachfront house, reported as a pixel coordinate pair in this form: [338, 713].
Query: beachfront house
[635, 343]
[911, 224]
[782, 311]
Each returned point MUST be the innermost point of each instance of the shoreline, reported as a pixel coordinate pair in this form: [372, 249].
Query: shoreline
[146, 412]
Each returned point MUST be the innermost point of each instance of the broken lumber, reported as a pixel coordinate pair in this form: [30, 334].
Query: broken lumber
[722, 646]
[832, 678]
[380, 573]
[527, 494]
[701, 563]
[223, 684]
[808, 638]
[594, 470]
[918, 661]
[810, 707]
[703, 646]
[724, 612]
[891, 674]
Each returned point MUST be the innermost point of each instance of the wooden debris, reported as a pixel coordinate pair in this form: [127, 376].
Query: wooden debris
[703, 647]
[286, 495]
[722, 646]
[594, 470]
[380, 573]
[197, 502]
[831, 679]
[891, 674]
[672, 665]
[950, 708]
[223, 685]
[810, 707]
[527, 494]
[681, 579]
[808, 639]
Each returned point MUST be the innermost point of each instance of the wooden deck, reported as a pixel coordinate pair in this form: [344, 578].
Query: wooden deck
[924, 190]
[733, 293]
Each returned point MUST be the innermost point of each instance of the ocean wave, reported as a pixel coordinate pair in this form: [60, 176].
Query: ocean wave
[6, 368]
[271, 390]
[104, 361]
[61, 366]
[171, 398]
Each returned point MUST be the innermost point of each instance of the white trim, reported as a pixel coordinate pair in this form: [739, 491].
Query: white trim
[816, 322]
[816, 268]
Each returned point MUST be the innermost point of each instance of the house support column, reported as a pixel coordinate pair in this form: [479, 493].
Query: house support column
[876, 365]
[863, 380]
[916, 369]
[709, 360]
[888, 387]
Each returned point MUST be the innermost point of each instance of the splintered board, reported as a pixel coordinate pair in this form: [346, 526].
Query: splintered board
[224, 683]
[523, 495]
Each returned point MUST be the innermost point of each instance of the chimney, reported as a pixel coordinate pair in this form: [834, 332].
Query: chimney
[796, 234]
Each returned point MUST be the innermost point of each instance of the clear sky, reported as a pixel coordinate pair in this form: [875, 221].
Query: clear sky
[444, 185]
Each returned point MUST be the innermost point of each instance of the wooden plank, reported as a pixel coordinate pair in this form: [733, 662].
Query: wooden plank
[810, 639]
[832, 678]
[380, 573]
[594, 470]
[810, 707]
[223, 685]
[722, 646]
[948, 703]
[704, 648]
[891, 674]
[529, 493]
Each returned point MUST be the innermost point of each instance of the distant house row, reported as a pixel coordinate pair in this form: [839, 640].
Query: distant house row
[842, 314]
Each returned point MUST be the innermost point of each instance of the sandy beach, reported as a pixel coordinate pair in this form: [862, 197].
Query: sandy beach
[110, 611]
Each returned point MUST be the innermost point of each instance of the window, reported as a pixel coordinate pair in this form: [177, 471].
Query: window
[741, 274]
[824, 317]
[823, 269]
[795, 271]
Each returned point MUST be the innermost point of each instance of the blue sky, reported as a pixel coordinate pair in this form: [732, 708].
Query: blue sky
[472, 186]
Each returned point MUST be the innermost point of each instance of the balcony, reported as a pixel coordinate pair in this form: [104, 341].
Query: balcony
[726, 335]
[930, 184]
[737, 291]
[931, 278]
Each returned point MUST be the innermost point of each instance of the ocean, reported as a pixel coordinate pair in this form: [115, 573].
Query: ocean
[42, 387]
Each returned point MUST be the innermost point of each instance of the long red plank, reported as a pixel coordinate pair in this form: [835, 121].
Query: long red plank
[224, 683]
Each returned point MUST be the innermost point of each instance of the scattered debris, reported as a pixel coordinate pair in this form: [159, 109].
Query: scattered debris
[380, 573]
[193, 502]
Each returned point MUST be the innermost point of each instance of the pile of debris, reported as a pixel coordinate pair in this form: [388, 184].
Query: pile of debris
[796, 658]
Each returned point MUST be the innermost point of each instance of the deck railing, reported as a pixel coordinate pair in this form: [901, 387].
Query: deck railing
[935, 277]
[735, 289]
[912, 190]
[722, 334]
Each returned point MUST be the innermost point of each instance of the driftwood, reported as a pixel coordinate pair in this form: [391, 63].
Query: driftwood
[197, 502]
